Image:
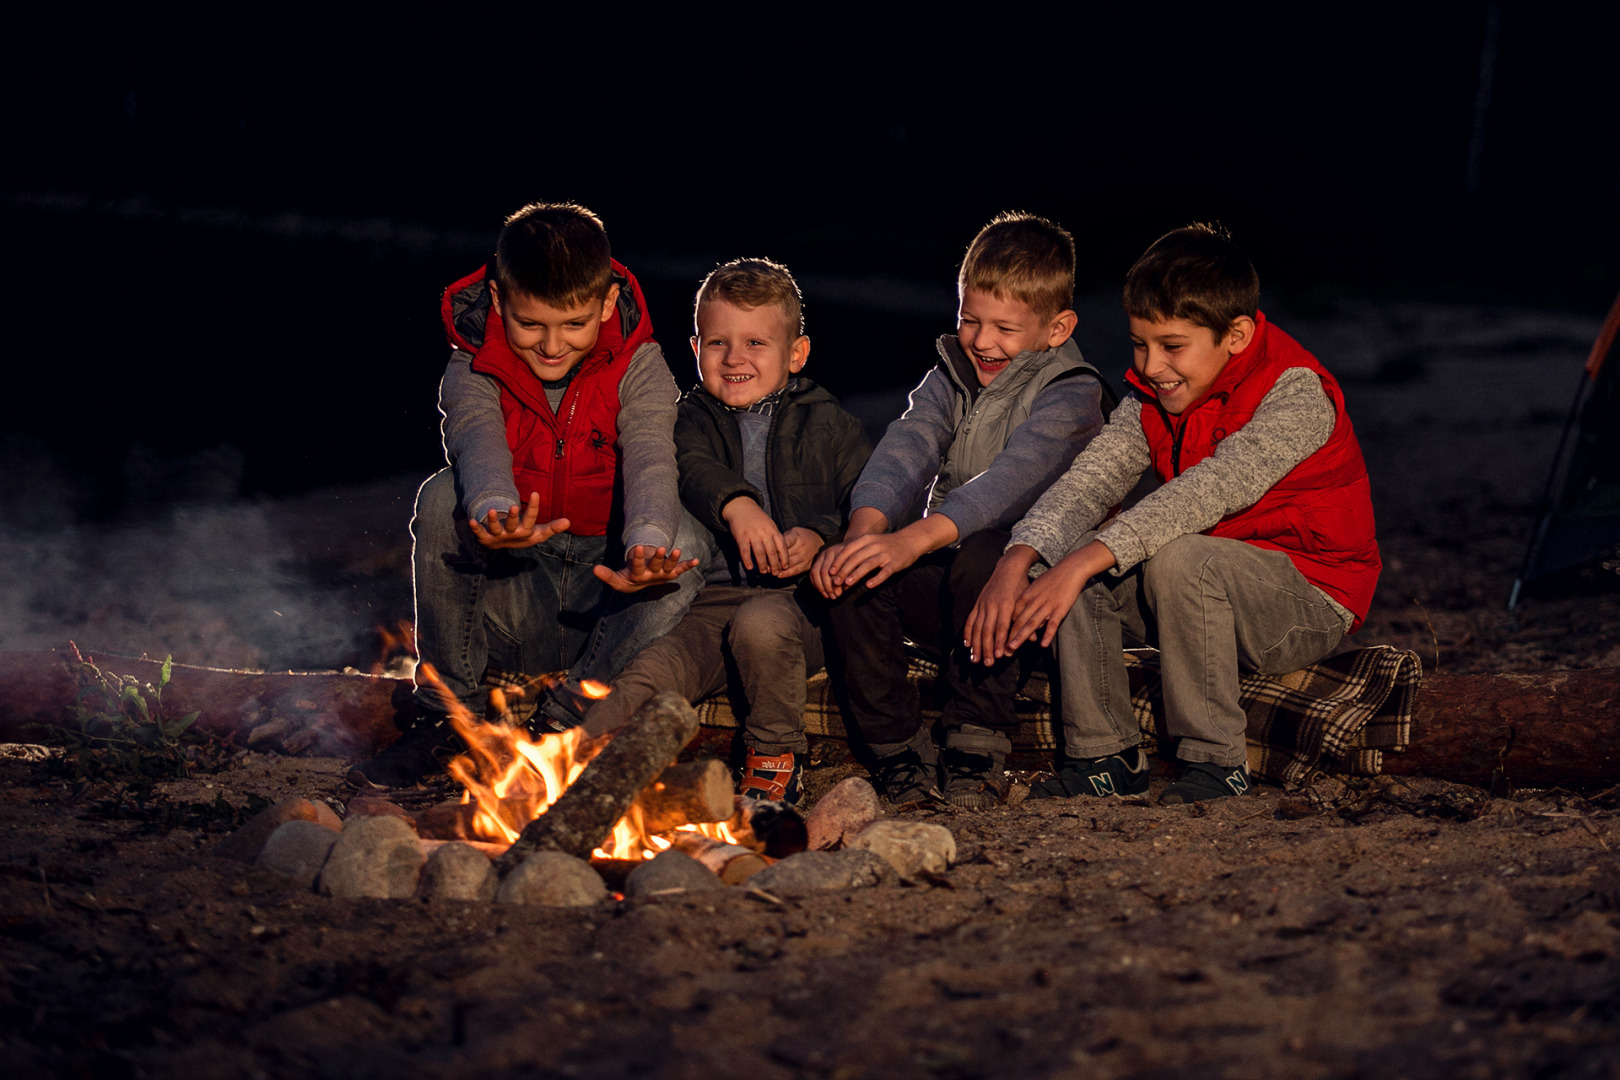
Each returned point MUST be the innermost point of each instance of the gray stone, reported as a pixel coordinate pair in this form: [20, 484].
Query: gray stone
[297, 849]
[374, 856]
[245, 843]
[842, 813]
[671, 871]
[458, 872]
[823, 871]
[552, 879]
[909, 846]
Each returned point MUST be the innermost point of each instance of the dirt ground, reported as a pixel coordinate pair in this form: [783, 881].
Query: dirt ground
[1369, 928]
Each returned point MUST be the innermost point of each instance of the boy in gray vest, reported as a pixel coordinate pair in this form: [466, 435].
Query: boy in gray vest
[1002, 414]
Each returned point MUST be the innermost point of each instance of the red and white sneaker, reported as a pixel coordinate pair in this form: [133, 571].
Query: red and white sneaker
[774, 777]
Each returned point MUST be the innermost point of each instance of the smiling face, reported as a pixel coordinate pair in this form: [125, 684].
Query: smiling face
[743, 353]
[993, 330]
[552, 340]
[1181, 360]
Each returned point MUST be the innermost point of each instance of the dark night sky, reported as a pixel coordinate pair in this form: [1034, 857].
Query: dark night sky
[238, 238]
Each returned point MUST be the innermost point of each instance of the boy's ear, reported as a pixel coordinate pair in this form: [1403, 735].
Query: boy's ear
[799, 354]
[610, 301]
[1062, 328]
[1239, 335]
[494, 296]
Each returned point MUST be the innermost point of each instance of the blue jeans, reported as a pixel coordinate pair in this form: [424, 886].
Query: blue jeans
[532, 610]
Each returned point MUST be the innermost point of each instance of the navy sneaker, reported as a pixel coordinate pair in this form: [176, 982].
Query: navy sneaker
[1203, 781]
[423, 750]
[1125, 773]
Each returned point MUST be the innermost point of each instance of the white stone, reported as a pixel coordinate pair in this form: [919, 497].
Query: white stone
[297, 849]
[909, 846]
[671, 871]
[823, 871]
[552, 879]
[458, 872]
[378, 857]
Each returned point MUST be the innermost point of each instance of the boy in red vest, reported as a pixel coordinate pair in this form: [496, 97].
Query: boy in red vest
[556, 398]
[1257, 552]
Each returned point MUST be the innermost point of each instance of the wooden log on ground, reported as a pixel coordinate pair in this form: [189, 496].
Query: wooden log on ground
[730, 863]
[690, 793]
[1543, 729]
[584, 817]
[324, 712]
[1533, 729]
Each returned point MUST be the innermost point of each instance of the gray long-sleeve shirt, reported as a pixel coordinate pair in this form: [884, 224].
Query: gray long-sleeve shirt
[1066, 412]
[474, 431]
[1292, 422]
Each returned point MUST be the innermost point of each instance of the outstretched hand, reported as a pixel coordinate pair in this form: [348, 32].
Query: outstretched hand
[1050, 597]
[991, 619]
[644, 567]
[519, 528]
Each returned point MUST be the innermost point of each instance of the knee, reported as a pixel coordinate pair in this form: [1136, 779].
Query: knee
[770, 621]
[1179, 563]
[436, 506]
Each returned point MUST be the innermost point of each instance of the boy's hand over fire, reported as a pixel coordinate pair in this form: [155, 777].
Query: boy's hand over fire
[519, 528]
[644, 566]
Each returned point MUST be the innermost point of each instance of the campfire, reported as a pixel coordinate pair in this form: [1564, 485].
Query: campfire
[511, 778]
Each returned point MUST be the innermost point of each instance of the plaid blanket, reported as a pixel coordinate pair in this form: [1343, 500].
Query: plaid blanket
[1340, 714]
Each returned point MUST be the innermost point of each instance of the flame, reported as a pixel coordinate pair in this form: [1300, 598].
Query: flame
[515, 778]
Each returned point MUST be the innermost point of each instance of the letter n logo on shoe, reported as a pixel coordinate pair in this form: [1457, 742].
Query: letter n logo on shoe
[1103, 783]
[1238, 781]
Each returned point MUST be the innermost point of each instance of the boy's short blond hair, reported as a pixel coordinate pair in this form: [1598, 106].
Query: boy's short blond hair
[555, 252]
[1022, 257]
[753, 283]
[1194, 273]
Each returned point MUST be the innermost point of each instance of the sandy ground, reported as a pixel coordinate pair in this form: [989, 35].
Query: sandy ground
[1353, 929]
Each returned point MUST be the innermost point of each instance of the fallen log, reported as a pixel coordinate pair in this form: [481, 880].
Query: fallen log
[321, 712]
[1533, 729]
[584, 816]
[1541, 729]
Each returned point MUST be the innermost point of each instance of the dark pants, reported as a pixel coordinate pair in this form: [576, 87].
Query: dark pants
[929, 603]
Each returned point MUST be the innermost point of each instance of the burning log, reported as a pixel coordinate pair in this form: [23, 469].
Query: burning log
[585, 814]
[690, 793]
[770, 828]
[730, 863]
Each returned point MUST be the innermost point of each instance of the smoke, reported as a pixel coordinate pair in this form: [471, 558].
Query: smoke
[185, 567]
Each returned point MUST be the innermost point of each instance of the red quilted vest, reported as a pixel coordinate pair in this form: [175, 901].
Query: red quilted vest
[1319, 515]
[570, 455]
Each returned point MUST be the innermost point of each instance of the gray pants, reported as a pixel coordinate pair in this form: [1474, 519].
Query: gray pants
[1211, 606]
[760, 637]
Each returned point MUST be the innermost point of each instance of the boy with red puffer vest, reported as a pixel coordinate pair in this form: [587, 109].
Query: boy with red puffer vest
[1257, 552]
[556, 397]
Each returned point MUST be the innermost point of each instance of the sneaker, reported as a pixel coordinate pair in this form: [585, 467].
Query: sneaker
[774, 778]
[1204, 781]
[974, 781]
[904, 778]
[1125, 773]
[423, 750]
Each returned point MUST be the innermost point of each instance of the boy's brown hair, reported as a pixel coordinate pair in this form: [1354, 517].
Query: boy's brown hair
[1025, 257]
[1195, 273]
[753, 283]
[555, 252]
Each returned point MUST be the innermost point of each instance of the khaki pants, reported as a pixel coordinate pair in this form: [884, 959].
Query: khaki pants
[1211, 606]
